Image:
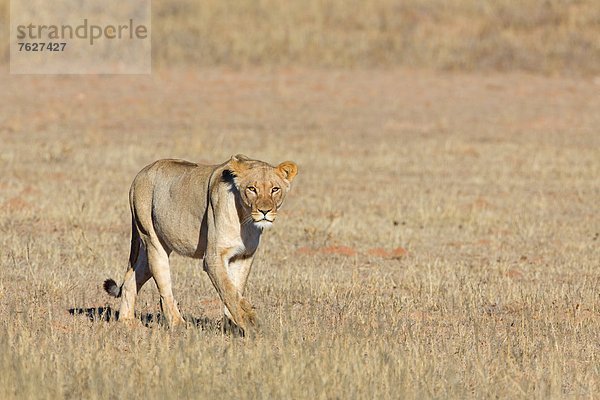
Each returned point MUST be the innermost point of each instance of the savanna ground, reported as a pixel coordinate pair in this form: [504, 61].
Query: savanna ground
[441, 239]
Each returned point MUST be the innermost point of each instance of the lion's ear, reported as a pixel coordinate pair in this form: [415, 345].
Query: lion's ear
[288, 169]
[238, 163]
[240, 157]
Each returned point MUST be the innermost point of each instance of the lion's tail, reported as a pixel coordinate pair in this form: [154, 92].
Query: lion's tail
[111, 287]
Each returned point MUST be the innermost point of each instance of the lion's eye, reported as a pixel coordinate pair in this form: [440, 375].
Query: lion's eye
[275, 190]
[252, 189]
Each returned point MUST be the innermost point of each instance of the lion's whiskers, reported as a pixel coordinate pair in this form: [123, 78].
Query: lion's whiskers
[247, 220]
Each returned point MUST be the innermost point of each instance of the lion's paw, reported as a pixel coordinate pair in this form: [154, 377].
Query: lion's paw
[248, 312]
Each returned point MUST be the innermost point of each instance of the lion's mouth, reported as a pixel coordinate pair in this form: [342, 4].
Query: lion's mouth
[263, 223]
[263, 220]
[260, 217]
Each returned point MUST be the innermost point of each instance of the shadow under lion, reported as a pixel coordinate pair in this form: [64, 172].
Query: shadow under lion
[108, 314]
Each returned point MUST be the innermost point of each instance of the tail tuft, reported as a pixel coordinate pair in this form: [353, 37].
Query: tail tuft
[112, 288]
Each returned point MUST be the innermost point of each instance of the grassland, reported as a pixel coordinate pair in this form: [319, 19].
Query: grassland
[550, 37]
[489, 182]
[441, 240]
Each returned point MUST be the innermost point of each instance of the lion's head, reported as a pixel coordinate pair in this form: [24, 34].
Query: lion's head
[262, 187]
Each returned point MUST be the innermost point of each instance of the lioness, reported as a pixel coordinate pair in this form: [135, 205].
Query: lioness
[201, 211]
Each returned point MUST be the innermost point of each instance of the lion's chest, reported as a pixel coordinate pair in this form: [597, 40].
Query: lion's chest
[238, 241]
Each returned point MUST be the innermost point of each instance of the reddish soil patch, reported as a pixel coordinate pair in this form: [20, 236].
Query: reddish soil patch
[341, 250]
[396, 253]
[514, 273]
[378, 252]
[399, 252]
[306, 250]
[16, 204]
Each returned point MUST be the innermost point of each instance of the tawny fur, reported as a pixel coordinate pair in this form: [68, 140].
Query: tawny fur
[214, 212]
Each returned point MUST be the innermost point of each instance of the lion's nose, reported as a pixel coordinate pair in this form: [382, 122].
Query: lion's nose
[264, 212]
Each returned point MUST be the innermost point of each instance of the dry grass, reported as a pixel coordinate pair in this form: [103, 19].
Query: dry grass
[553, 37]
[489, 182]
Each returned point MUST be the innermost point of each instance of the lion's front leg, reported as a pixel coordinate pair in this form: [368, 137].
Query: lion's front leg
[238, 270]
[237, 308]
[135, 278]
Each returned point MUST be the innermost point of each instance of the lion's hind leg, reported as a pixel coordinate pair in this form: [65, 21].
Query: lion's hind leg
[158, 260]
[135, 278]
